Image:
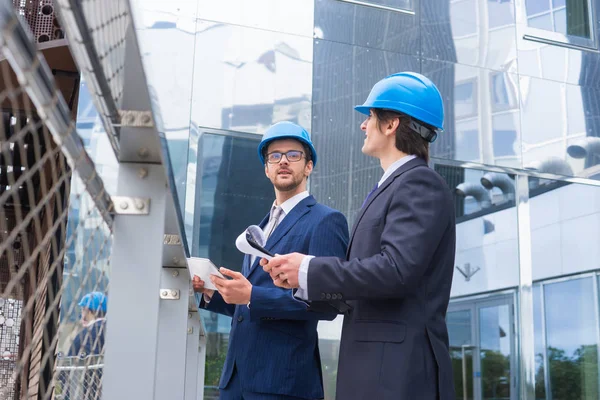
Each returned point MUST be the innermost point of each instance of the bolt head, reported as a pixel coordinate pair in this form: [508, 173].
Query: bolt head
[142, 173]
[173, 292]
[143, 152]
[165, 293]
[175, 273]
[139, 205]
[124, 205]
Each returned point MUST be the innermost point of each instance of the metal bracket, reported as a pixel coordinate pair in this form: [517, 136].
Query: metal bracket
[169, 294]
[139, 119]
[124, 205]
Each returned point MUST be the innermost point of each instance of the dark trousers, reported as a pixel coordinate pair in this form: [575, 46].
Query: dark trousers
[233, 391]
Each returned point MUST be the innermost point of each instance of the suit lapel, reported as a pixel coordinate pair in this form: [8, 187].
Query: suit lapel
[403, 168]
[288, 222]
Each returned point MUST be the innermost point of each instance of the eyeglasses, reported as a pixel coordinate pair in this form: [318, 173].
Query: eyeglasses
[292, 156]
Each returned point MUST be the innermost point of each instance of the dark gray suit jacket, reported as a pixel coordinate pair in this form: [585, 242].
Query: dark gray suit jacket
[397, 280]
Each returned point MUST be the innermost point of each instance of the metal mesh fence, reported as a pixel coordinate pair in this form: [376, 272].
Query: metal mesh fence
[55, 235]
[97, 34]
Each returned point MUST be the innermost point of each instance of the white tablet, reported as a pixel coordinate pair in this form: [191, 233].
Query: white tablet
[203, 268]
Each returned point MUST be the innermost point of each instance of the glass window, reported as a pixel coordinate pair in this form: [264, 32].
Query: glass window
[225, 207]
[500, 13]
[459, 333]
[503, 92]
[568, 17]
[504, 142]
[543, 21]
[463, 16]
[571, 333]
[467, 143]
[398, 4]
[537, 6]
[495, 326]
[539, 340]
[465, 101]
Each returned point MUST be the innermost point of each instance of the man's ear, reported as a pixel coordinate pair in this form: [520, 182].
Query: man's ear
[392, 126]
[308, 168]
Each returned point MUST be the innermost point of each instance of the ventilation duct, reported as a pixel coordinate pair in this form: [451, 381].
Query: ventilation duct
[476, 191]
[552, 165]
[501, 181]
[584, 147]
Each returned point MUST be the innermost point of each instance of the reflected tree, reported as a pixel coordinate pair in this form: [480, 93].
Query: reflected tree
[571, 377]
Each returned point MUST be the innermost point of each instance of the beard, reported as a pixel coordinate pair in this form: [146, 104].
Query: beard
[288, 184]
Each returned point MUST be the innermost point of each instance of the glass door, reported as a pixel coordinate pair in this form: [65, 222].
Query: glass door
[482, 347]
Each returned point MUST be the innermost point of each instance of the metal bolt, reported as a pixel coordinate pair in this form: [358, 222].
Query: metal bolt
[189, 315]
[146, 118]
[190, 330]
[175, 273]
[139, 205]
[165, 293]
[143, 152]
[124, 205]
[142, 173]
[175, 260]
[174, 293]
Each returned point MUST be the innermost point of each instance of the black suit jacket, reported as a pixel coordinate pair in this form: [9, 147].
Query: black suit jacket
[397, 280]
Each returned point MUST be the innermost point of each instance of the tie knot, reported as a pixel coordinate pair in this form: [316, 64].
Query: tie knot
[276, 213]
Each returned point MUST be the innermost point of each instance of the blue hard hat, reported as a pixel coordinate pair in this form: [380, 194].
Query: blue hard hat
[286, 130]
[411, 94]
[95, 301]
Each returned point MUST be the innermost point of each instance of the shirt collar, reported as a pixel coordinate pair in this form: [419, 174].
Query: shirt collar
[292, 202]
[395, 165]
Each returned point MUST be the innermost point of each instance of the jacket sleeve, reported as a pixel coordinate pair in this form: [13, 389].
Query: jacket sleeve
[417, 217]
[330, 237]
[216, 304]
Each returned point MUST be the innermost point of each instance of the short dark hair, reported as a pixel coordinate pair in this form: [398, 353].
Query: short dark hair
[307, 152]
[407, 140]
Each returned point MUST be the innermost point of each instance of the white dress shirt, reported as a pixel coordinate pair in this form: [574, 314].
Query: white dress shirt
[302, 291]
[286, 207]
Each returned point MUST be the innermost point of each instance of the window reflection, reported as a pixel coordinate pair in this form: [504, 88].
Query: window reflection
[495, 326]
[566, 312]
[570, 17]
[571, 332]
[539, 343]
[231, 194]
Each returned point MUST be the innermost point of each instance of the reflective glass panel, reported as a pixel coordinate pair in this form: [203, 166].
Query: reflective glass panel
[495, 330]
[572, 338]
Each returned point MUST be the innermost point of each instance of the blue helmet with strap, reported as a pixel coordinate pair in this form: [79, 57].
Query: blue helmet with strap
[410, 94]
[286, 130]
[95, 301]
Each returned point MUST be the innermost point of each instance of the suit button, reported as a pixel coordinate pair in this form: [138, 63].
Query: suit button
[240, 318]
[322, 296]
[339, 296]
[334, 296]
[328, 297]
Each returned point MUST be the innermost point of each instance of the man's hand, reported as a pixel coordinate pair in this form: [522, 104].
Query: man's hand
[234, 291]
[284, 269]
[198, 285]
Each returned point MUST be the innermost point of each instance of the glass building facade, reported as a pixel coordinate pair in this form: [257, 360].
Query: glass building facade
[521, 151]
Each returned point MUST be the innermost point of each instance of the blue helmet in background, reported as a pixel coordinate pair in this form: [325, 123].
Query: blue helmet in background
[95, 301]
[286, 130]
[411, 94]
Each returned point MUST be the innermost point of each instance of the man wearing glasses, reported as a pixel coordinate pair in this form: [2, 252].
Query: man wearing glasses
[273, 344]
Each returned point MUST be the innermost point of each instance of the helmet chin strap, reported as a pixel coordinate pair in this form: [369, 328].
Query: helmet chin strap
[426, 133]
